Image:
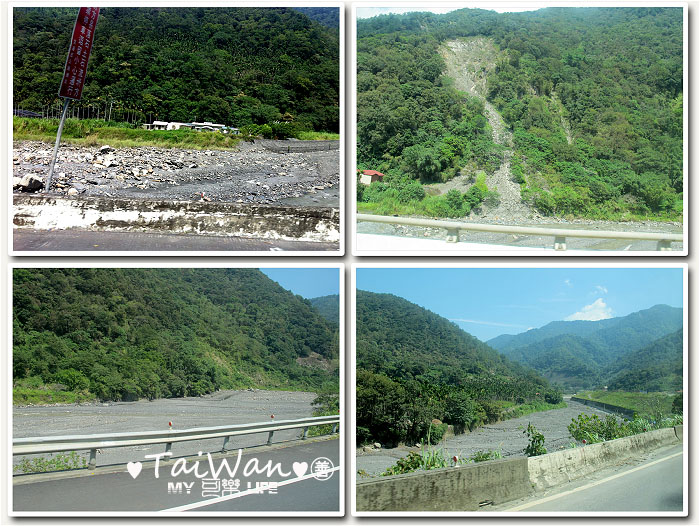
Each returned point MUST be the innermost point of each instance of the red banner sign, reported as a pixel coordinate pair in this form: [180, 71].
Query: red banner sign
[79, 54]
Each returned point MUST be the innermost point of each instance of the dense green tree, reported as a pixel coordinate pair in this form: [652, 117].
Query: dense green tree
[133, 333]
[237, 66]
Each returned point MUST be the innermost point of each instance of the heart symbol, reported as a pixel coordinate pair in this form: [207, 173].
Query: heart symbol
[134, 468]
[300, 468]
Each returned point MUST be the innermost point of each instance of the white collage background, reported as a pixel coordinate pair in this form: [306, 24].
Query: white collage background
[347, 260]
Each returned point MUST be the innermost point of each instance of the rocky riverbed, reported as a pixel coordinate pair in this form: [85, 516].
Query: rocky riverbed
[217, 409]
[252, 174]
[507, 436]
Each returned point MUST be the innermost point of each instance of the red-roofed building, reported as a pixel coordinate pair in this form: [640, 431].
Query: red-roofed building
[370, 176]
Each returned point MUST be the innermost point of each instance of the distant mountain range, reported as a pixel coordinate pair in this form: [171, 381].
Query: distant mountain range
[584, 354]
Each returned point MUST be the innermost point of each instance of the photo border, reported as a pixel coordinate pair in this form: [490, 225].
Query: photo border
[131, 263]
[340, 4]
[352, 382]
[519, 252]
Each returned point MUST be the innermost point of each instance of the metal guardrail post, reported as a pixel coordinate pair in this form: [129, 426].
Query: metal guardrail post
[168, 447]
[92, 464]
[335, 429]
[559, 243]
[306, 433]
[223, 448]
[452, 235]
[269, 437]
[663, 244]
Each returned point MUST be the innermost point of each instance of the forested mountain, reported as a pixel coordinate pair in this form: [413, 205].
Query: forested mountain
[402, 340]
[593, 98]
[582, 354]
[414, 366]
[130, 333]
[234, 66]
[328, 307]
[656, 367]
[329, 17]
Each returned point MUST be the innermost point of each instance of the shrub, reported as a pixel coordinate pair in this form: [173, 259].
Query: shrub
[535, 446]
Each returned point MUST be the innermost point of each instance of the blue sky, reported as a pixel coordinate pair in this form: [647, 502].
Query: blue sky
[307, 282]
[490, 302]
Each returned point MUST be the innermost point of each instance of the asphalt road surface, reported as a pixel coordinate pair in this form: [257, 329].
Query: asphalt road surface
[300, 485]
[89, 241]
[654, 484]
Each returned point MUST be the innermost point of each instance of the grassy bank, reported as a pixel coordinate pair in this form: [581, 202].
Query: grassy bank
[92, 132]
[649, 404]
[46, 396]
[536, 406]
[318, 136]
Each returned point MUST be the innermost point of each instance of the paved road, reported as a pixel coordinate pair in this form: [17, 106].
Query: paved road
[655, 484]
[88, 241]
[119, 491]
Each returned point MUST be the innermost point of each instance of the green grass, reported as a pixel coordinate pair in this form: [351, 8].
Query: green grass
[92, 132]
[57, 462]
[318, 136]
[30, 396]
[649, 404]
[535, 406]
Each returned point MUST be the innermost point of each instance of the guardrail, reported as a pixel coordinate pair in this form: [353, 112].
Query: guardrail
[453, 228]
[53, 444]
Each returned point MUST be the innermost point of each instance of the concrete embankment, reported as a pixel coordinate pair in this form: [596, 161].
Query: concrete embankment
[186, 217]
[467, 488]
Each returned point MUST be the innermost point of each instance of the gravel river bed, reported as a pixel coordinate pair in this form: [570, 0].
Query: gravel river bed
[217, 409]
[507, 436]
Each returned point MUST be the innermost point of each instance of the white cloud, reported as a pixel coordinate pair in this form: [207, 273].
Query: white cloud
[601, 288]
[598, 310]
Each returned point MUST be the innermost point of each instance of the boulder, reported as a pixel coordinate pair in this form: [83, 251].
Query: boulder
[31, 183]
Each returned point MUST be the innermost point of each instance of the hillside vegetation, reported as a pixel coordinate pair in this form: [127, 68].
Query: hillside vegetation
[328, 307]
[124, 334]
[641, 351]
[236, 66]
[593, 98]
[414, 366]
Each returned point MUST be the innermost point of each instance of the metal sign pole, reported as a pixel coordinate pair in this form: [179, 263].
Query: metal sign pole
[58, 141]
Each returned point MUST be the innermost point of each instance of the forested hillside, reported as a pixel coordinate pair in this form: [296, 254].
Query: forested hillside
[656, 367]
[124, 334]
[328, 307]
[414, 366]
[235, 66]
[585, 354]
[593, 98]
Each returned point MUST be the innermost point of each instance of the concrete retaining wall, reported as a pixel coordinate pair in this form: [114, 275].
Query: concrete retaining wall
[570, 464]
[464, 488]
[628, 413]
[448, 489]
[217, 219]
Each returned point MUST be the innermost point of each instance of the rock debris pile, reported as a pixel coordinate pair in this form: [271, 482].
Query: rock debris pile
[249, 175]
